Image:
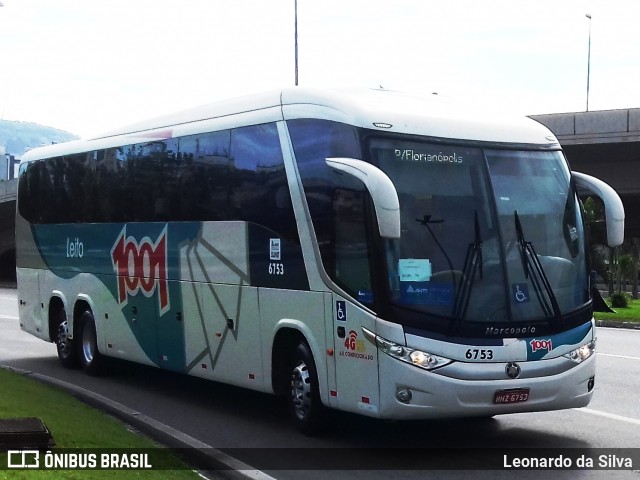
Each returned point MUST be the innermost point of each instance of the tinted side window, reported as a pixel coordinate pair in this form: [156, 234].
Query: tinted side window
[31, 182]
[313, 142]
[201, 186]
[259, 190]
[336, 203]
[226, 175]
[53, 191]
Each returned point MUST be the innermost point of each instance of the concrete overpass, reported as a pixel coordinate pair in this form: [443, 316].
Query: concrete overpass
[605, 144]
[7, 229]
[8, 186]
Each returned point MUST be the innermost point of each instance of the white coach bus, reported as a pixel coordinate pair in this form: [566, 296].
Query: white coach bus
[365, 251]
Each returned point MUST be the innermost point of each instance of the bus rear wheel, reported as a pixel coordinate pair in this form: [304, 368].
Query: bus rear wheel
[67, 353]
[305, 405]
[90, 358]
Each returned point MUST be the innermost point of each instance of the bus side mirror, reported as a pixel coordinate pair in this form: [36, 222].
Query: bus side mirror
[613, 208]
[381, 189]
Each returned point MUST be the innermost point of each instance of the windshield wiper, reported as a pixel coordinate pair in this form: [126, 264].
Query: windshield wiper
[472, 263]
[426, 221]
[533, 269]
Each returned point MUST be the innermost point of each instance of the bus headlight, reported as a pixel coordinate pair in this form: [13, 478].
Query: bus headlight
[580, 354]
[418, 358]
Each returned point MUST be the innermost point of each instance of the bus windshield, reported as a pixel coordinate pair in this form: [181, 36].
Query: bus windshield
[487, 235]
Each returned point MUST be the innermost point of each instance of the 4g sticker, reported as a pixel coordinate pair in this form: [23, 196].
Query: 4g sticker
[353, 343]
[355, 347]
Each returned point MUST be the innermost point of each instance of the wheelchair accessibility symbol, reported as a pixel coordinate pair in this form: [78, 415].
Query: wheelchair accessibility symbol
[520, 292]
[341, 310]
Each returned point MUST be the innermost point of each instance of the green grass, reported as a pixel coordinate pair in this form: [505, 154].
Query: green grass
[629, 314]
[74, 424]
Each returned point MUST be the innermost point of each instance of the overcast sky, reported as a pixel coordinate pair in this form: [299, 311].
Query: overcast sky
[87, 66]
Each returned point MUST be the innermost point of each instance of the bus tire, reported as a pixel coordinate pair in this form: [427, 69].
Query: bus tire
[305, 405]
[67, 352]
[90, 358]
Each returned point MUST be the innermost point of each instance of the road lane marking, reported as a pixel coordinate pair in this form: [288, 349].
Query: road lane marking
[617, 356]
[8, 317]
[613, 416]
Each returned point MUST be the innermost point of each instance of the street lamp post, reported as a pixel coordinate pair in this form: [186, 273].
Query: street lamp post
[588, 15]
[296, 37]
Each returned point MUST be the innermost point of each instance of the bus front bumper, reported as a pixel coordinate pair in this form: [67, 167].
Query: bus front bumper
[408, 392]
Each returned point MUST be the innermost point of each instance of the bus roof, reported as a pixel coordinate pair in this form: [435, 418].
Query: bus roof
[429, 115]
[380, 109]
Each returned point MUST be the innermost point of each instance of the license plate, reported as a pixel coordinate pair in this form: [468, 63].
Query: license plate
[514, 395]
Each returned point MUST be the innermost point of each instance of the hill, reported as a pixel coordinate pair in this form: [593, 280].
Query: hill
[17, 137]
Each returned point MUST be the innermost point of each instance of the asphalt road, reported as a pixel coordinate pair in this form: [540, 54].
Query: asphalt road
[253, 427]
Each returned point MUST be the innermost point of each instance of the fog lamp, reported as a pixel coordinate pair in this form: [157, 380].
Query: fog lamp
[404, 395]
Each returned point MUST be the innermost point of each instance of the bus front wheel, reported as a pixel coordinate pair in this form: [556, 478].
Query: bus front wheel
[90, 358]
[304, 397]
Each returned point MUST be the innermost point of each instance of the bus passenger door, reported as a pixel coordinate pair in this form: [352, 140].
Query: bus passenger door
[356, 357]
[356, 361]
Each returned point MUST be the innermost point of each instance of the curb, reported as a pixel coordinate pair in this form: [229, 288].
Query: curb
[618, 324]
[194, 451]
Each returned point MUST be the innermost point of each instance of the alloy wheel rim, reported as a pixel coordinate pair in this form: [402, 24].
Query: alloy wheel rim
[64, 346]
[301, 390]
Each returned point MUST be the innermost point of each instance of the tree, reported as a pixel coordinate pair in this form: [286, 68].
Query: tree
[625, 270]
